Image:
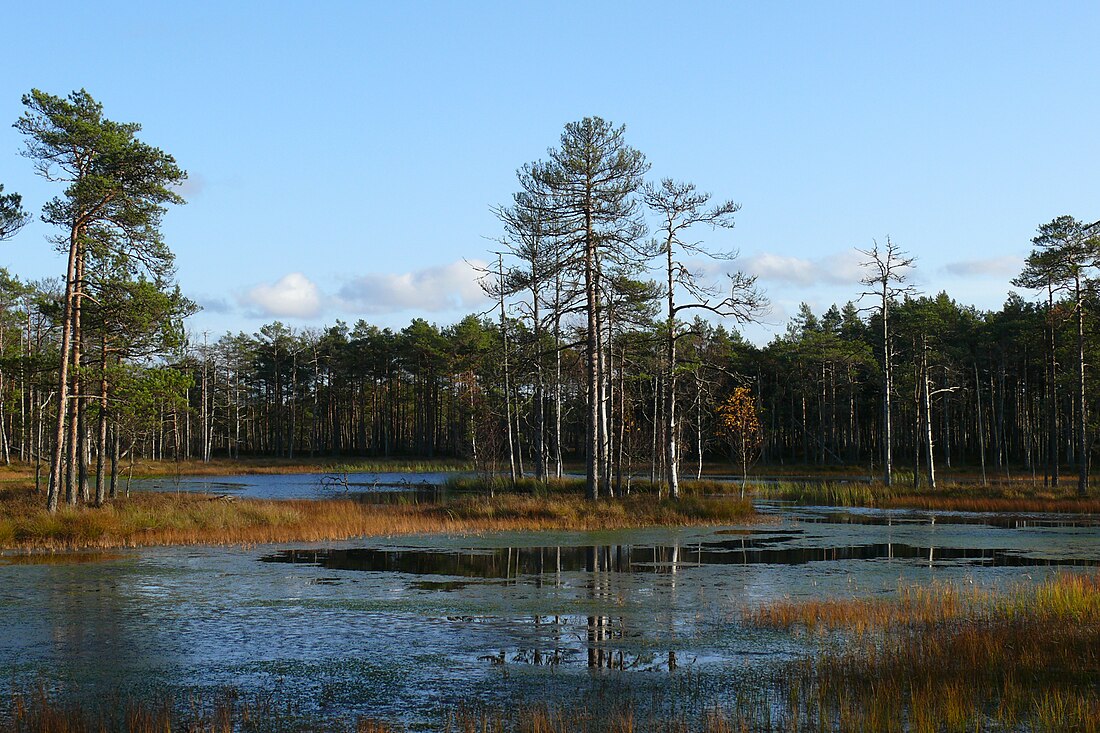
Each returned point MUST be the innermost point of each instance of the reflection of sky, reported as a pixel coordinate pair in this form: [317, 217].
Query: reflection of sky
[390, 644]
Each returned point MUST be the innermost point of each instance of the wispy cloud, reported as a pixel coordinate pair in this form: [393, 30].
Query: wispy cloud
[192, 186]
[841, 268]
[1006, 266]
[292, 296]
[213, 304]
[432, 289]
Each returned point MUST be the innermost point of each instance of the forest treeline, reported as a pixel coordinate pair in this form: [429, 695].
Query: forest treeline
[364, 391]
[605, 345]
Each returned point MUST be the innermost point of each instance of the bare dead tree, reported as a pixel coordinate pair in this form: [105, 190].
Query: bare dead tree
[680, 206]
[887, 273]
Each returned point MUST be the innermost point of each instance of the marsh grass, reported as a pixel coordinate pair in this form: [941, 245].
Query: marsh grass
[270, 466]
[820, 493]
[148, 519]
[39, 711]
[260, 466]
[1002, 497]
[948, 658]
[576, 485]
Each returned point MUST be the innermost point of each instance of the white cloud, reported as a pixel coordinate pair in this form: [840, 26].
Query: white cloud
[432, 289]
[1006, 266]
[293, 296]
[841, 268]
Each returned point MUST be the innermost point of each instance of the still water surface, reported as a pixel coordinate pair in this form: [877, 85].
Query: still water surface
[298, 485]
[392, 628]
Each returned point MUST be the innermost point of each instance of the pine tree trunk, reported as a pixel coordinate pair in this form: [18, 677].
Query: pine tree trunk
[101, 442]
[507, 386]
[1082, 408]
[981, 426]
[887, 431]
[75, 468]
[672, 457]
[53, 492]
[114, 461]
[1052, 407]
[593, 467]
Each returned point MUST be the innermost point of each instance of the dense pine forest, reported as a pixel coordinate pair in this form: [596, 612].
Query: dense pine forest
[604, 347]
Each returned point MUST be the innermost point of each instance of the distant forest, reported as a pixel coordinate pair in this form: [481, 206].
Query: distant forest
[604, 346]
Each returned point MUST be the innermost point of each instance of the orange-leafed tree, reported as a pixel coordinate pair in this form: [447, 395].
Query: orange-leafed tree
[739, 426]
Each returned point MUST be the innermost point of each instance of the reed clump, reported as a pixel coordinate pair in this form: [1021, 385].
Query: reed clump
[823, 493]
[497, 483]
[148, 519]
[945, 658]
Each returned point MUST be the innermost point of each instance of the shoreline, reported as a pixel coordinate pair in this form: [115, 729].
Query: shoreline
[163, 519]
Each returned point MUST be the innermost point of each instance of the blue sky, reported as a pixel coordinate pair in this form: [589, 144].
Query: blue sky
[344, 156]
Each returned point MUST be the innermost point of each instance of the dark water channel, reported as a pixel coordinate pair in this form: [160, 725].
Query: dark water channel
[395, 628]
[536, 563]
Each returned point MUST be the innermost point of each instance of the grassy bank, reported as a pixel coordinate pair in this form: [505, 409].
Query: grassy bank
[576, 485]
[147, 519]
[1000, 497]
[251, 466]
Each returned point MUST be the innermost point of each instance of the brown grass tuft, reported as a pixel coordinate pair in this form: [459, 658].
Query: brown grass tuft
[186, 519]
[942, 658]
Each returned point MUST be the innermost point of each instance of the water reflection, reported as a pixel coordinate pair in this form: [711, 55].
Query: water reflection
[539, 563]
[360, 486]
